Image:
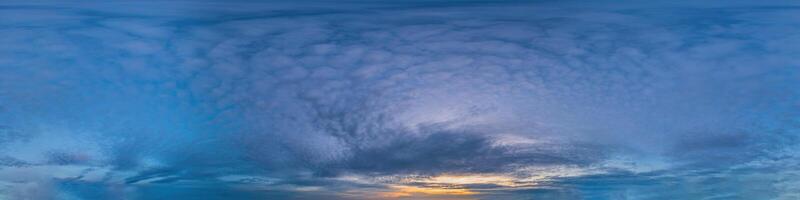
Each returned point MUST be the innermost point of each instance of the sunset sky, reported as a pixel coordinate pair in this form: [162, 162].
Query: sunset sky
[382, 100]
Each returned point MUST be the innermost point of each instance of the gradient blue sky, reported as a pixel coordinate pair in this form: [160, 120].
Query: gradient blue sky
[362, 100]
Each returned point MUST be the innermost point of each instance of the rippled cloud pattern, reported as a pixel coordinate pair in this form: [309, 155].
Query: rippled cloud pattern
[399, 100]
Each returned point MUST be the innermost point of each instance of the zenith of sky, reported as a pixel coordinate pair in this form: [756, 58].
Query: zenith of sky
[362, 100]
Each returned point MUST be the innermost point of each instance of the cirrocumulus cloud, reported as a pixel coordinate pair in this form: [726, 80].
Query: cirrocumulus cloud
[399, 100]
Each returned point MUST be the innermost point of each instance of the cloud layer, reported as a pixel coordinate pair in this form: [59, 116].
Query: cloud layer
[503, 100]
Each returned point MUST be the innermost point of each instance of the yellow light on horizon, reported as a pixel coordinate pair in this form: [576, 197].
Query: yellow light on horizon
[407, 191]
[449, 179]
[449, 185]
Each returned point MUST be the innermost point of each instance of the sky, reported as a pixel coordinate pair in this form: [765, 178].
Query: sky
[422, 99]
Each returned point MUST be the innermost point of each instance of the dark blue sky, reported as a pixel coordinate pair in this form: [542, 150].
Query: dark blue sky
[399, 100]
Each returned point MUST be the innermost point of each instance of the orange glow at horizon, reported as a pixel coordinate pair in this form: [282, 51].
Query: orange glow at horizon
[449, 185]
[407, 191]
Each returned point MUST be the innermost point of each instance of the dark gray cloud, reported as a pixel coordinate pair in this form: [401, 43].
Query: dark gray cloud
[460, 152]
